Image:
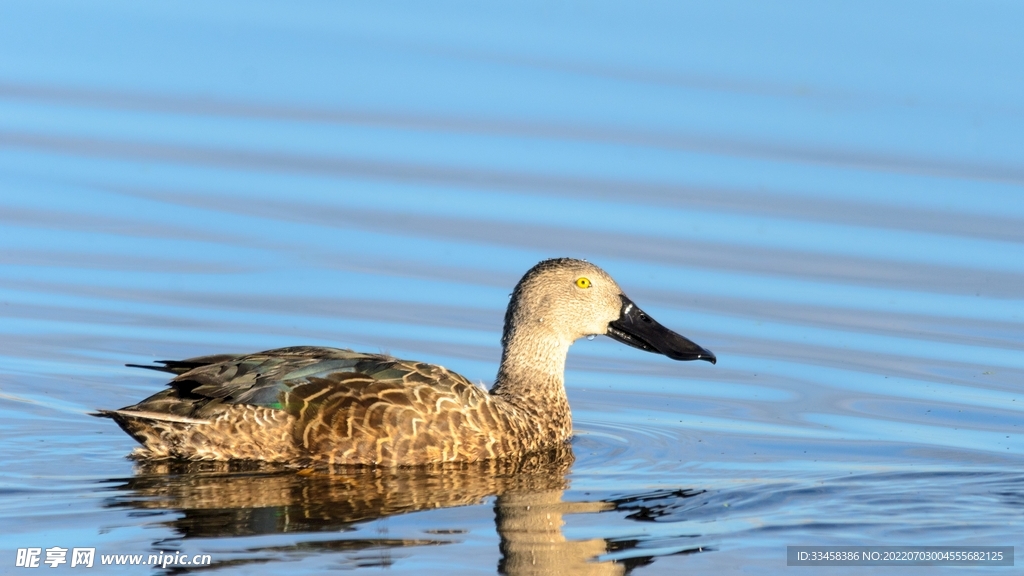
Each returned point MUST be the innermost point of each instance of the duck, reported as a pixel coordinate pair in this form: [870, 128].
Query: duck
[308, 405]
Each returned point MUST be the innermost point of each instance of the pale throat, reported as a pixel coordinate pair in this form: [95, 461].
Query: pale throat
[533, 366]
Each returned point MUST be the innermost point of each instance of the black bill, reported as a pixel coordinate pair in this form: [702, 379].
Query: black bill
[636, 328]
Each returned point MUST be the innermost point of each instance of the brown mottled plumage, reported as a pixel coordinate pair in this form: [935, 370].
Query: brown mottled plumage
[324, 405]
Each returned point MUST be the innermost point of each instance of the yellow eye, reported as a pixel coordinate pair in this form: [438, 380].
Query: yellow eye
[583, 282]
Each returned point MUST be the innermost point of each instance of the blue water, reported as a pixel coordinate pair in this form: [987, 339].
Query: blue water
[828, 196]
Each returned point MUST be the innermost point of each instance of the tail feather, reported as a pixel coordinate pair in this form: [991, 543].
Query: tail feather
[183, 366]
[154, 416]
[165, 368]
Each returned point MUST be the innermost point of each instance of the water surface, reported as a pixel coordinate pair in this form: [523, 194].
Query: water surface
[829, 198]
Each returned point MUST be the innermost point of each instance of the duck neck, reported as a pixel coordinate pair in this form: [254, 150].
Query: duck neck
[532, 378]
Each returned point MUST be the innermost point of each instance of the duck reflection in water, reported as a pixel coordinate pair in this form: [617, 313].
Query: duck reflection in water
[238, 499]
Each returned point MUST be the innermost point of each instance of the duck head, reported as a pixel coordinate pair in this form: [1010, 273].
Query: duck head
[567, 299]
